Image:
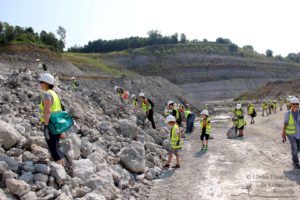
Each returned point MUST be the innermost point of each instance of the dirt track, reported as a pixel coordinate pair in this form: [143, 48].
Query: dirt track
[255, 167]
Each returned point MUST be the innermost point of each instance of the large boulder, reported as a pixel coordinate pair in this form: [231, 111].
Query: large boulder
[121, 176]
[9, 136]
[128, 129]
[83, 168]
[58, 172]
[42, 168]
[155, 135]
[3, 167]
[98, 158]
[92, 196]
[12, 163]
[6, 195]
[29, 196]
[40, 152]
[133, 157]
[17, 187]
[71, 146]
[102, 181]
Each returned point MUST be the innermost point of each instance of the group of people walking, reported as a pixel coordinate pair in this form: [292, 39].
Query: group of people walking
[175, 116]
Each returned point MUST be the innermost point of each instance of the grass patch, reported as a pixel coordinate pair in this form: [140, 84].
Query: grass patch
[87, 61]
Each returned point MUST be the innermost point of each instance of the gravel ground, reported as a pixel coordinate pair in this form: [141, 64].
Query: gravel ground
[255, 167]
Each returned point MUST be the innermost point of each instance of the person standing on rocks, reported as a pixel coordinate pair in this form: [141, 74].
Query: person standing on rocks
[50, 103]
[205, 128]
[189, 118]
[239, 120]
[147, 107]
[175, 142]
[175, 112]
[291, 130]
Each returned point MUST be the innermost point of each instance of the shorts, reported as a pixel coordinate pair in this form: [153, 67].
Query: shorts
[242, 128]
[174, 151]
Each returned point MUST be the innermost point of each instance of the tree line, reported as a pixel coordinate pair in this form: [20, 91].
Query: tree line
[9, 33]
[154, 38]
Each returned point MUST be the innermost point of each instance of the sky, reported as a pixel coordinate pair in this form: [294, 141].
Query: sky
[264, 24]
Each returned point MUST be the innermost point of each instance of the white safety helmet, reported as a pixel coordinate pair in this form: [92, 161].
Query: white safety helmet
[170, 118]
[37, 60]
[47, 78]
[73, 78]
[238, 106]
[295, 100]
[133, 95]
[170, 102]
[205, 112]
[141, 95]
[116, 87]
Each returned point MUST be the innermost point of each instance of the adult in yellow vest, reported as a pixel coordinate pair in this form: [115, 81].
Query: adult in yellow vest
[175, 112]
[265, 108]
[50, 103]
[135, 101]
[175, 141]
[291, 130]
[147, 107]
[251, 112]
[205, 128]
[239, 120]
[189, 117]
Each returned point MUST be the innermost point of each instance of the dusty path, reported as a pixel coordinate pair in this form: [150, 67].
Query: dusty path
[256, 167]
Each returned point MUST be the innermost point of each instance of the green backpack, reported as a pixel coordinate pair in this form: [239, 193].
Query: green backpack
[60, 122]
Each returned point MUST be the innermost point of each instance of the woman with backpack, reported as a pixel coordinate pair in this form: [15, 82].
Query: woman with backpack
[50, 103]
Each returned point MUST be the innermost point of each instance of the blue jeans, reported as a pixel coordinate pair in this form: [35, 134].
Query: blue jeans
[295, 146]
[190, 123]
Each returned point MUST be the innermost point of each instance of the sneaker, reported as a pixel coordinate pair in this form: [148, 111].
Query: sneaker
[176, 166]
[166, 166]
[205, 148]
[296, 166]
[240, 135]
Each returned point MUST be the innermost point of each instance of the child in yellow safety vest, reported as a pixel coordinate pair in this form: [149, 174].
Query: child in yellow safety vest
[205, 128]
[251, 112]
[264, 108]
[175, 142]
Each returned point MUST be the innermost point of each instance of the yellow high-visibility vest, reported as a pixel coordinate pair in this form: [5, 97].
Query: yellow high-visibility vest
[174, 138]
[291, 127]
[56, 104]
